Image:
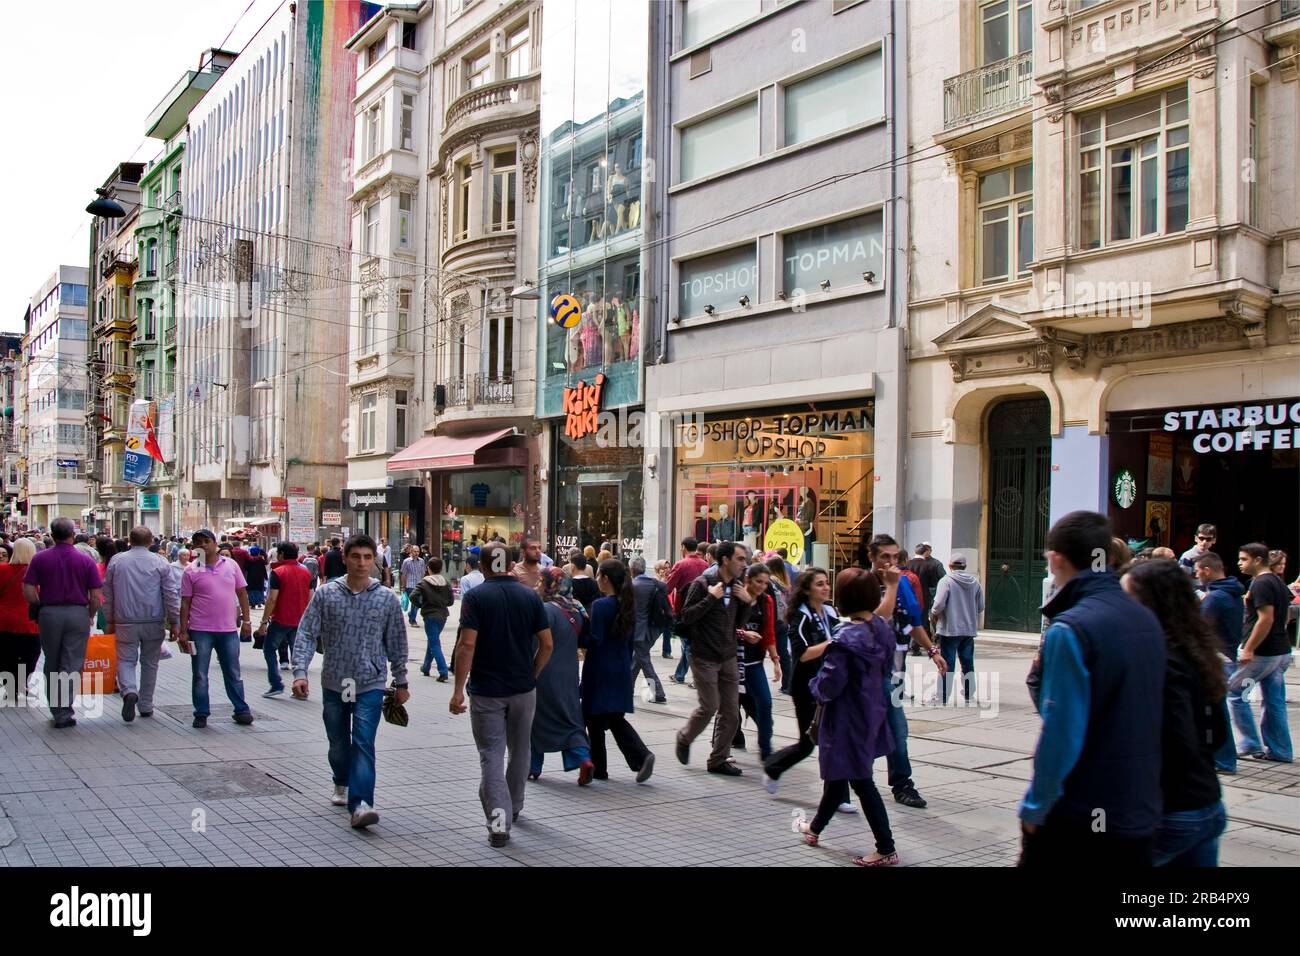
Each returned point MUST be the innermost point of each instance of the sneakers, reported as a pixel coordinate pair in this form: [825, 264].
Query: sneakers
[727, 770]
[363, 816]
[286, 666]
[244, 719]
[146, 714]
[584, 773]
[683, 752]
[274, 692]
[62, 723]
[647, 768]
[339, 797]
[498, 840]
[442, 678]
[770, 785]
[676, 680]
[128, 706]
[908, 797]
[659, 700]
[846, 808]
[199, 723]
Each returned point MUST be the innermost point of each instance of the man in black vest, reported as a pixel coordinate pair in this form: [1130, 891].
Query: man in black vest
[1095, 795]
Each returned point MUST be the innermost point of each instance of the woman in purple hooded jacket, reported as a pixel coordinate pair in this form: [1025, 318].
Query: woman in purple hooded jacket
[853, 730]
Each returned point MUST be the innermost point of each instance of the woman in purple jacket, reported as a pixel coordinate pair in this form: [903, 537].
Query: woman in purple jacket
[853, 730]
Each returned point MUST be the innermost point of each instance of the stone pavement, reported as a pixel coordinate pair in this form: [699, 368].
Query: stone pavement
[157, 792]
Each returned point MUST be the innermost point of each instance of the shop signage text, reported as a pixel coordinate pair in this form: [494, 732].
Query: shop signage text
[780, 436]
[148, 500]
[565, 543]
[582, 408]
[331, 519]
[383, 499]
[302, 519]
[280, 505]
[1240, 427]
[784, 533]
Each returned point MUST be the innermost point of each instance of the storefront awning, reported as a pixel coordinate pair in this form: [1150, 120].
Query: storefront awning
[260, 522]
[440, 452]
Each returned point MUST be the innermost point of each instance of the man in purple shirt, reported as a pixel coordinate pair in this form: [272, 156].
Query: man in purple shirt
[66, 585]
[209, 596]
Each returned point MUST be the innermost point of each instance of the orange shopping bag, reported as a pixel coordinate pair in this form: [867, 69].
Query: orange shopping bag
[101, 659]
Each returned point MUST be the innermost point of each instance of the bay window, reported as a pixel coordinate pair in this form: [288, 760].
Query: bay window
[1005, 244]
[505, 178]
[478, 70]
[369, 323]
[408, 121]
[464, 190]
[399, 404]
[370, 229]
[1134, 165]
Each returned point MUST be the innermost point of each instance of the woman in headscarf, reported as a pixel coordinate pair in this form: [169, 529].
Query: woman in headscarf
[557, 721]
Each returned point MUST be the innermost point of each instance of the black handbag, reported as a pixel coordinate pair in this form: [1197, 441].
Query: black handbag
[394, 712]
[815, 727]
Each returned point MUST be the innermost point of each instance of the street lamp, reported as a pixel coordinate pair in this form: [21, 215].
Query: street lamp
[105, 206]
[262, 385]
[527, 291]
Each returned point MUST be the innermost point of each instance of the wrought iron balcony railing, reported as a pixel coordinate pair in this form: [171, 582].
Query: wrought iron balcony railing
[988, 91]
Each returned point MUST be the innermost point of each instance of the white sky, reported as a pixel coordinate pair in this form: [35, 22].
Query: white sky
[76, 107]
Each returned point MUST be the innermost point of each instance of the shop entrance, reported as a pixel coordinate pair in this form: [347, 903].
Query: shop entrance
[598, 513]
[1019, 499]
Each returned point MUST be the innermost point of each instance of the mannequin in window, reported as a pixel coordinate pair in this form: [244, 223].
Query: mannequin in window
[590, 336]
[621, 325]
[703, 525]
[807, 517]
[605, 325]
[725, 529]
[752, 515]
[634, 339]
[616, 200]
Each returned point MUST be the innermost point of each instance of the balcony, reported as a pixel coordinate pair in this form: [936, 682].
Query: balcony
[493, 101]
[117, 262]
[474, 390]
[169, 337]
[172, 205]
[144, 338]
[989, 91]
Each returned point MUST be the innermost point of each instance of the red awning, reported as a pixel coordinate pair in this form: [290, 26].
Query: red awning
[441, 452]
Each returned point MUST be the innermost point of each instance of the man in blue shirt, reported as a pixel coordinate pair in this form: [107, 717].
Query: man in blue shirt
[1222, 608]
[1095, 797]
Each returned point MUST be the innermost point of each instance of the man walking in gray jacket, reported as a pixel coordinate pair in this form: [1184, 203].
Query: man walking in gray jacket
[141, 594]
[359, 626]
[958, 604]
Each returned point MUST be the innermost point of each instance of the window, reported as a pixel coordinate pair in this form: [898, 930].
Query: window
[403, 319]
[719, 142]
[369, 404]
[708, 18]
[836, 99]
[1006, 29]
[518, 58]
[464, 187]
[408, 36]
[405, 207]
[719, 280]
[374, 124]
[399, 432]
[151, 261]
[74, 329]
[376, 50]
[69, 468]
[71, 434]
[459, 349]
[505, 175]
[478, 70]
[73, 294]
[838, 252]
[369, 322]
[150, 332]
[408, 121]
[1006, 223]
[370, 229]
[1252, 154]
[72, 399]
[1133, 169]
[500, 345]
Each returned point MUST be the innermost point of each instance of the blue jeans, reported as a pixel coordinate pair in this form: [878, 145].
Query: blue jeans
[351, 729]
[277, 636]
[760, 694]
[226, 644]
[952, 649]
[413, 609]
[573, 758]
[1270, 674]
[783, 654]
[433, 631]
[1190, 837]
[684, 664]
[1226, 758]
[256, 598]
[668, 641]
[900, 768]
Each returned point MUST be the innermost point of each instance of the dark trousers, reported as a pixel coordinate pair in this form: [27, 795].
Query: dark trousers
[625, 736]
[642, 664]
[65, 629]
[18, 654]
[836, 792]
[1062, 843]
[787, 757]
[783, 655]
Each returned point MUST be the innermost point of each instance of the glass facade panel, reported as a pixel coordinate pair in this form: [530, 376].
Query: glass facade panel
[718, 280]
[841, 252]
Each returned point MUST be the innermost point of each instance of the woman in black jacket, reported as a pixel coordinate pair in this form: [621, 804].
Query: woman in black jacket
[1194, 722]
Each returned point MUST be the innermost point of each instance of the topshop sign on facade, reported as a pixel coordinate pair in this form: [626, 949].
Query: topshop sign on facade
[1239, 427]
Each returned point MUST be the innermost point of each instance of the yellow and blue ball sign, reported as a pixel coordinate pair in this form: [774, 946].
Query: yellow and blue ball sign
[565, 311]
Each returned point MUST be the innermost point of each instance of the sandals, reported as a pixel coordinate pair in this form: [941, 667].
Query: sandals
[809, 837]
[889, 859]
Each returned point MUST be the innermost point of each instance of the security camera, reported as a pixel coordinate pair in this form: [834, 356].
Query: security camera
[709, 310]
[868, 277]
[826, 285]
[744, 302]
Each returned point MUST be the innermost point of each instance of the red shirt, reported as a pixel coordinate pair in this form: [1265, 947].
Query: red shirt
[292, 584]
[13, 606]
[683, 573]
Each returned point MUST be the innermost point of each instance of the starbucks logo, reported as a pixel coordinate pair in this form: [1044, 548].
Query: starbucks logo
[1125, 488]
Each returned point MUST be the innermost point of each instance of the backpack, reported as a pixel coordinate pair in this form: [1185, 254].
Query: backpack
[661, 614]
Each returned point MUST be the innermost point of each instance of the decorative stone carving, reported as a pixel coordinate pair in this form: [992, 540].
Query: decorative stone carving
[988, 147]
[1293, 326]
[444, 222]
[1183, 337]
[1023, 139]
[528, 162]
[1255, 333]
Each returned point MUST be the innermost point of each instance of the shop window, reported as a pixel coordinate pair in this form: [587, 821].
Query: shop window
[703, 19]
[610, 329]
[1006, 223]
[598, 498]
[835, 99]
[843, 253]
[718, 281]
[719, 142]
[1134, 161]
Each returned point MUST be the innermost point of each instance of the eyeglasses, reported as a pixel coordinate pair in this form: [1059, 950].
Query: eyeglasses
[1201, 537]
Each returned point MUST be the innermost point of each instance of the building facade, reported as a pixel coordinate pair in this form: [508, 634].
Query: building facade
[56, 382]
[266, 268]
[1105, 278]
[472, 460]
[10, 374]
[775, 397]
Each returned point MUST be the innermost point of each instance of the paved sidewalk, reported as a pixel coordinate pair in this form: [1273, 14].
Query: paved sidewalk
[157, 792]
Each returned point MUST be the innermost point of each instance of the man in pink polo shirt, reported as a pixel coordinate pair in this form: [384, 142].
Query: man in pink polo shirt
[210, 595]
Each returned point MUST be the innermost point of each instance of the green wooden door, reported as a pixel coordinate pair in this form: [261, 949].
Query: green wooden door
[1020, 467]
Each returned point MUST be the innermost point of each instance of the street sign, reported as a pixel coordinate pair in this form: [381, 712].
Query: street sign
[302, 519]
[148, 500]
[565, 311]
[330, 519]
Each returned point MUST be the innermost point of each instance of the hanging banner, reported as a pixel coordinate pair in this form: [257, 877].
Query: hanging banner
[136, 467]
[302, 519]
